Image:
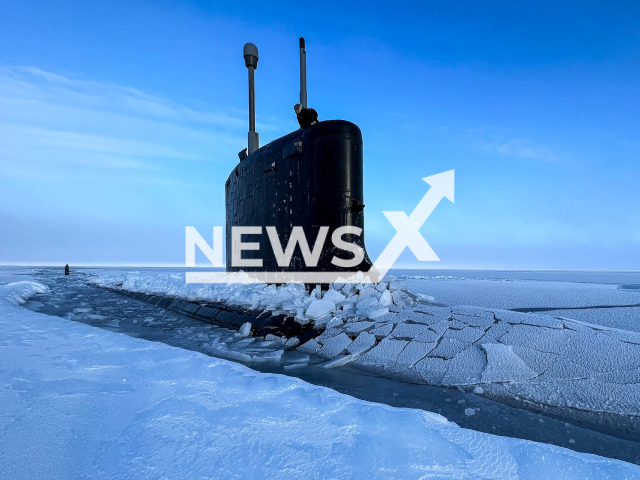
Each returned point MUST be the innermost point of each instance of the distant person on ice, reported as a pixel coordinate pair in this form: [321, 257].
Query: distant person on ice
[66, 269]
[306, 116]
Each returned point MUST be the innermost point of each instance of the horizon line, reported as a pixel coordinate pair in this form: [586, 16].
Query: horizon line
[177, 265]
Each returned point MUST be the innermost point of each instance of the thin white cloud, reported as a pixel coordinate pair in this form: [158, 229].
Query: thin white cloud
[107, 96]
[49, 121]
[70, 177]
[523, 148]
[30, 144]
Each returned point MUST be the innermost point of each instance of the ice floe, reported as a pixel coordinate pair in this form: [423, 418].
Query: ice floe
[553, 362]
[104, 405]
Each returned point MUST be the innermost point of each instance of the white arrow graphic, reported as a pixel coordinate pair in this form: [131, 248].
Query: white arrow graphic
[407, 227]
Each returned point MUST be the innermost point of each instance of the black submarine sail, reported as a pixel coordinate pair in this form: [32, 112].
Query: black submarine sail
[310, 178]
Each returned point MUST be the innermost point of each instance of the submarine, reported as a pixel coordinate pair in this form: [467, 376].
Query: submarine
[310, 178]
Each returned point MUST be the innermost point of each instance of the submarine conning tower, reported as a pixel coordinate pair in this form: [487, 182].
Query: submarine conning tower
[310, 178]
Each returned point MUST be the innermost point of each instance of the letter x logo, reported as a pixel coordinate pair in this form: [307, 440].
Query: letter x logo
[408, 227]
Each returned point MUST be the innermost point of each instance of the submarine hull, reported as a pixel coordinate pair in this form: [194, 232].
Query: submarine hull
[310, 178]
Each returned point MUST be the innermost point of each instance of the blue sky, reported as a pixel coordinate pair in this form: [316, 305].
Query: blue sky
[120, 122]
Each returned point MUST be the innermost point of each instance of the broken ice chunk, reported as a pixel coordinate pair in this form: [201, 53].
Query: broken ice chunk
[373, 311]
[335, 322]
[382, 331]
[369, 291]
[323, 321]
[366, 302]
[361, 344]
[334, 346]
[503, 365]
[382, 358]
[311, 347]
[357, 327]
[338, 361]
[328, 333]
[427, 298]
[272, 356]
[334, 296]
[319, 308]
[413, 353]
[400, 298]
[301, 319]
[386, 299]
[448, 348]
[432, 370]
[410, 330]
[245, 329]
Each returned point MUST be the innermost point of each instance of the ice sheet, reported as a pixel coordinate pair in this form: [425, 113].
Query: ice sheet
[81, 402]
[454, 338]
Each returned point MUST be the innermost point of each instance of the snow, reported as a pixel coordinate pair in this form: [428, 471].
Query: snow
[524, 358]
[17, 293]
[532, 355]
[83, 402]
[624, 318]
[10, 274]
[507, 290]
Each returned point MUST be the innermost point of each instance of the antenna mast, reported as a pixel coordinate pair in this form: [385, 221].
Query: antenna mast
[251, 62]
[303, 74]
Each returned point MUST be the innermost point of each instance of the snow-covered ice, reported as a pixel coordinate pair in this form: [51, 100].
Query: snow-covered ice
[507, 290]
[82, 402]
[566, 366]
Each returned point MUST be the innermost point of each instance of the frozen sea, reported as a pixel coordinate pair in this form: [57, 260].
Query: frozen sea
[88, 304]
[85, 402]
[609, 298]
